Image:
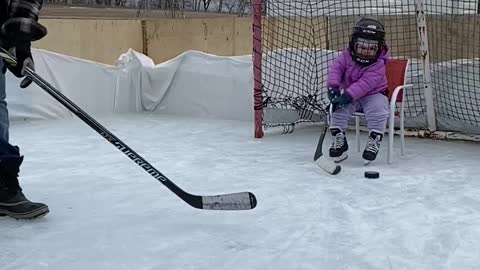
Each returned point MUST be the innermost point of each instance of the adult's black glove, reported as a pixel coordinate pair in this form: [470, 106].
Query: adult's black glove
[23, 54]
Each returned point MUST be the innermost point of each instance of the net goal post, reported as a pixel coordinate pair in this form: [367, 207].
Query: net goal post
[295, 42]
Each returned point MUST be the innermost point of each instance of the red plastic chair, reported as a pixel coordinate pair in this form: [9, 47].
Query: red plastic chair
[396, 82]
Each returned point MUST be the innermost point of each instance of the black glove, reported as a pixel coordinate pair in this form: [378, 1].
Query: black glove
[23, 54]
[341, 101]
[333, 91]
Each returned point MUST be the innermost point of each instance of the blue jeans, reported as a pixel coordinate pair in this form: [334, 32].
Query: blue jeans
[6, 149]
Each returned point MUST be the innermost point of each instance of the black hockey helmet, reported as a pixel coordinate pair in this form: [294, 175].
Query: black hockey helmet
[367, 41]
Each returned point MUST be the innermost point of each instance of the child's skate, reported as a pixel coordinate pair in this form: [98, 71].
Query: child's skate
[339, 148]
[372, 148]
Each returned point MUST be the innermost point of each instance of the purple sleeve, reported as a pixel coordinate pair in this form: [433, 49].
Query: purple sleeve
[373, 80]
[336, 71]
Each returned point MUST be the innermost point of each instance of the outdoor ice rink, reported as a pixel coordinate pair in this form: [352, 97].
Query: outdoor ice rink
[108, 213]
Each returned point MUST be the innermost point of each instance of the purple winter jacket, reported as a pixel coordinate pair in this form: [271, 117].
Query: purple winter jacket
[358, 81]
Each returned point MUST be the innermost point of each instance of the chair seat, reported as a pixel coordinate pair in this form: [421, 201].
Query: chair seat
[359, 113]
[363, 114]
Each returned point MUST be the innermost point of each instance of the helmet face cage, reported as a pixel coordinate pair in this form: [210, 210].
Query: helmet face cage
[366, 48]
[367, 41]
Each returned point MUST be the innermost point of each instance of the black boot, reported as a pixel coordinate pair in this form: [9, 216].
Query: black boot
[12, 201]
[339, 148]
[373, 146]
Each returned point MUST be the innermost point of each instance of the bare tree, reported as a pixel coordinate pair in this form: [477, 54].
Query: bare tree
[244, 7]
[206, 4]
[196, 4]
[220, 5]
[230, 5]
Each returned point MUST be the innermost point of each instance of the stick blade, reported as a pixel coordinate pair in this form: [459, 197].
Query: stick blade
[328, 165]
[318, 150]
[233, 201]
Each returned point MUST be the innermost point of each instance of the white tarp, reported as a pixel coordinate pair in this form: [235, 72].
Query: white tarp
[200, 84]
[192, 83]
[95, 87]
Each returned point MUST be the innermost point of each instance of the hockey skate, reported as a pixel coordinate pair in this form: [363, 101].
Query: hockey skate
[338, 149]
[372, 147]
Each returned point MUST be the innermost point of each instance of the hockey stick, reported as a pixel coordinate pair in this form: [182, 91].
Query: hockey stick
[326, 164]
[233, 201]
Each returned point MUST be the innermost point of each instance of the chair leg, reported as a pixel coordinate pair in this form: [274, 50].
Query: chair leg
[357, 131]
[402, 129]
[391, 130]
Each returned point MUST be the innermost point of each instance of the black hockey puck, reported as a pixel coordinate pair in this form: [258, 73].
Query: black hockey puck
[372, 174]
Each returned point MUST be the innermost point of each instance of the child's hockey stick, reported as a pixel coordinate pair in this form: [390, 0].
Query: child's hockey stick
[325, 163]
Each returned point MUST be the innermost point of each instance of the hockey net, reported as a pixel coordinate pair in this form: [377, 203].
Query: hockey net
[295, 42]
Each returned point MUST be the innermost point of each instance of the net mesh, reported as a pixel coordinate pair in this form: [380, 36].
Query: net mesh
[301, 39]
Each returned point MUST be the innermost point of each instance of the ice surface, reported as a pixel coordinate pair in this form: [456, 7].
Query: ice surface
[108, 213]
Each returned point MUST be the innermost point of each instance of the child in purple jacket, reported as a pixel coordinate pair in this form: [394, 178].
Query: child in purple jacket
[357, 82]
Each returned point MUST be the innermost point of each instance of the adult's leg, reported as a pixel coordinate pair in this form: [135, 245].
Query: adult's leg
[12, 200]
[4, 121]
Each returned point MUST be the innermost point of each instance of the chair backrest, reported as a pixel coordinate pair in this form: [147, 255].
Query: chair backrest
[396, 70]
